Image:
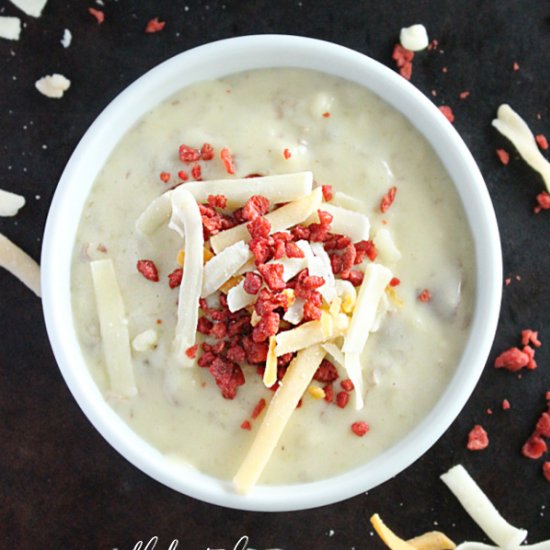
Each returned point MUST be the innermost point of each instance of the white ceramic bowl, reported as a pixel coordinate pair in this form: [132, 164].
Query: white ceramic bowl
[209, 62]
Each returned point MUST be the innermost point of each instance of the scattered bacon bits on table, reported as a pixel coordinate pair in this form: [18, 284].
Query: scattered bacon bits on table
[463, 95]
[514, 359]
[515, 66]
[534, 447]
[543, 202]
[387, 199]
[425, 296]
[505, 404]
[542, 141]
[154, 25]
[98, 14]
[477, 439]
[503, 156]
[361, 428]
[148, 269]
[546, 470]
[530, 337]
[447, 112]
[403, 59]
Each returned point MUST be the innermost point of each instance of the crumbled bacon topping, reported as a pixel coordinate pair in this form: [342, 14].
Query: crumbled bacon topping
[287, 154]
[326, 372]
[360, 428]
[227, 160]
[148, 269]
[217, 201]
[191, 352]
[255, 206]
[207, 152]
[503, 156]
[260, 406]
[328, 193]
[342, 399]
[174, 278]
[514, 359]
[272, 275]
[534, 447]
[425, 296]
[542, 141]
[165, 177]
[246, 425]
[543, 202]
[188, 154]
[477, 439]
[154, 25]
[387, 199]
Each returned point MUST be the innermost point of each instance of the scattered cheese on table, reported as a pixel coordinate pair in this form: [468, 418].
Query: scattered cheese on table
[30, 7]
[414, 38]
[20, 264]
[53, 86]
[10, 28]
[10, 203]
[67, 38]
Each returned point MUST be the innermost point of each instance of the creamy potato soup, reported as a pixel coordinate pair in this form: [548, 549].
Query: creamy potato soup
[277, 122]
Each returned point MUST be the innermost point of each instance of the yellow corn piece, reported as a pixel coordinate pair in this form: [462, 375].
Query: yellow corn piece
[335, 306]
[327, 324]
[392, 295]
[348, 303]
[207, 255]
[230, 283]
[316, 392]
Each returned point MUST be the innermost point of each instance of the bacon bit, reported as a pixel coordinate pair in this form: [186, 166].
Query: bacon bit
[255, 206]
[329, 393]
[534, 447]
[260, 406]
[227, 160]
[165, 177]
[395, 282]
[293, 250]
[347, 385]
[228, 376]
[512, 359]
[425, 296]
[326, 114]
[148, 269]
[342, 399]
[546, 470]
[433, 44]
[204, 325]
[98, 14]
[217, 201]
[365, 248]
[154, 25]
[326, 372]
[403, 59]
[489, 411]
[505, 404]
[182, 175]
[196, 171]
[503, 156]
[174, 278]
[387, 199]
[287, 154]
[529, 336]
[272, 275]
[159, 321]
[267, 326]
[188, 154]
[445, 70]
[530, 352]
[218, 330]
[547, 396]
[192, 351]
[246, 425]
[207, 152]
[328, 193]
[543, 200]
[507, 281]
[434, 93]
[252, 283]
[477, 439]
[360, 428]
[355, 277]
[515, 66]
[464, 95]
[542, 141]
[448, 112]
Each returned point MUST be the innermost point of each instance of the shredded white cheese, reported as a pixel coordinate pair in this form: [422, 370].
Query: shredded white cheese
[347, 201]
[10, 27]
[388, 253]
[114, 328]
[295, 312]
[53, 86]
[30, 7]
[544, 545]
[156, 214]
[352, 364]
[320, 266]
[512, 126]
[414, 38]
[10, 203]
[280, 219]
[353, 224]
[481, 509]
[224, 266]
[187, 218]
[67, 38]
[270, 372]
[295, 382]
[377, 277]
[20, 264]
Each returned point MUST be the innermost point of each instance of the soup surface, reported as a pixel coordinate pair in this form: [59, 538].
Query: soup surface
[350, 139]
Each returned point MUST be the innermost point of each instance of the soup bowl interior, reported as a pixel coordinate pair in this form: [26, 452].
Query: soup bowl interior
[213, 61]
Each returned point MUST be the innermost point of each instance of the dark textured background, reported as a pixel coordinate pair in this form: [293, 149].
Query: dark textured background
[61, 484]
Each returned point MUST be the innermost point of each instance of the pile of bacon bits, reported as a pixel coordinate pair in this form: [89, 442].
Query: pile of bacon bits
[514, 359]
[231, 340]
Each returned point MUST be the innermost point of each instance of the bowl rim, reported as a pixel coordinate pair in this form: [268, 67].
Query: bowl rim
[217, 59]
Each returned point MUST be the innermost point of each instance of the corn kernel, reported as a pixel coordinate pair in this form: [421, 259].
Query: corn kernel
[392, 295]
[316, 392]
